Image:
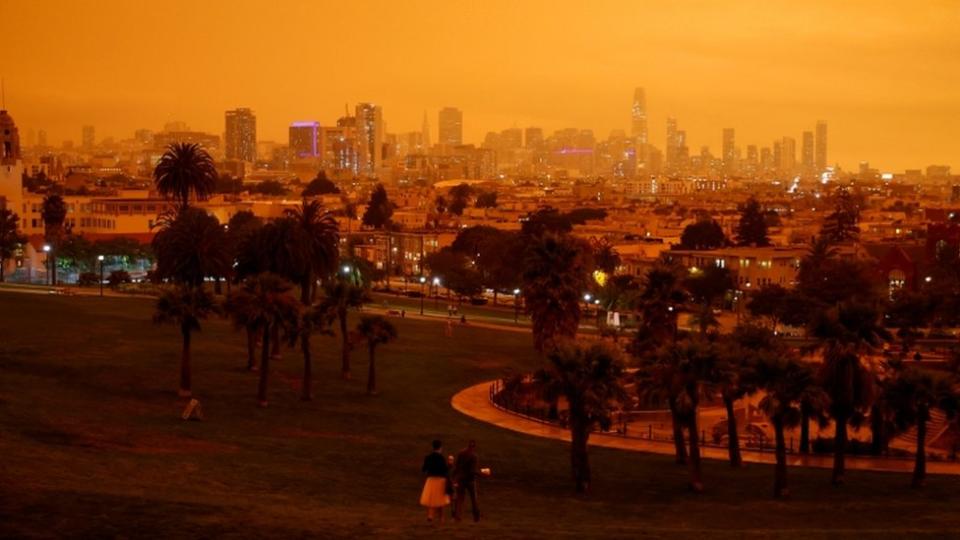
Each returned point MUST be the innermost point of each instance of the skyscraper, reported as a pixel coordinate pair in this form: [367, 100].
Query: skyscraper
[820, 159]
[425, 132]
[806, 152]
[729, 151]
[638, 115]
[450, 126]
[88, 138]
[370, 137]
[788, 155]
[533, 138]
[303, 139]
[241, 135]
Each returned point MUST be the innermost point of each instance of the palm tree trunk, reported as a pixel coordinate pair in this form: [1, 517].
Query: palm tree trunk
[920, 465]
[780, 472]
[3, 277]
[733, 438]
[372, 373]
[804, 429]
[696, 475]
[839, 448]
[264, 368]
[876, 431]
[251, 349]
[275, 341]
[345, 346]
[53, 269]
[680, 447]
[579, 459]
[306, 394]
[185, 388]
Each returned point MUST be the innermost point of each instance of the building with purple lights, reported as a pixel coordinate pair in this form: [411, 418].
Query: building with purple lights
[304, 137]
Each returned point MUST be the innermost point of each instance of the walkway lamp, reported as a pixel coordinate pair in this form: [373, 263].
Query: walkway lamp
[100, 259]
[422, 281]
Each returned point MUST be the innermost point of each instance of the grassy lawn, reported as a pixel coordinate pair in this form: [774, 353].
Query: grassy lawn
[92, 446]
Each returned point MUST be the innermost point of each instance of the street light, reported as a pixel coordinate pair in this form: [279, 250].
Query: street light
[436, 293]
[422, 281]
[100, 258]
[516, 306]
[46, 262]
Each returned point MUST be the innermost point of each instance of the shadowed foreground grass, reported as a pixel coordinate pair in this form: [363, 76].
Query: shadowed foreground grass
[92, 446]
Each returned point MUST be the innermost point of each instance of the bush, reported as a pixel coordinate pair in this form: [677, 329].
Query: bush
[117, 277]
[88, 279]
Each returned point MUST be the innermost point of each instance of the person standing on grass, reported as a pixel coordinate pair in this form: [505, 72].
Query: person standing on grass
[449, 331]
[434, 495]
[466, 469]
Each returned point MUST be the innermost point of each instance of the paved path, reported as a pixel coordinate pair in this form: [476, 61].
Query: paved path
[475, 403]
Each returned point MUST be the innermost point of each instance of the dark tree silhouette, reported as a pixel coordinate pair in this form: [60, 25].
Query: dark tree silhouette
[185, 169]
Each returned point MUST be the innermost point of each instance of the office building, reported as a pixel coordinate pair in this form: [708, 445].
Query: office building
[88, 138]
[820, 158]
[806, 153]
[450, 126]
[240, 141]
[304, 139]
[369, 122]
[729, 151]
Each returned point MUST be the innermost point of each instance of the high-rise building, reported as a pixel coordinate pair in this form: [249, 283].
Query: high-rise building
[42, 138]
[806, 152]
[638, 115]
[88, 138]
[304, 139]
[241, 135]
[533, 138]
[729, 151]
[425, 132]
[370, 136]
[820, 158]
[788, 155]
[450, 126]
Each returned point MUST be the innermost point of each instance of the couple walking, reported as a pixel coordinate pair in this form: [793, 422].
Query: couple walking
[442, 483]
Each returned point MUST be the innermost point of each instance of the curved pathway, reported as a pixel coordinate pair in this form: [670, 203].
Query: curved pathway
[475, 403]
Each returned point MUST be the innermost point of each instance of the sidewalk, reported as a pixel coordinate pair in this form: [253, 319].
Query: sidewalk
[475, 403]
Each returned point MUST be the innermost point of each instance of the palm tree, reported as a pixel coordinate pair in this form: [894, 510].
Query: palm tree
[315, 239]
[269, 307]
[191, 246]
[588, 376]
[911, 392]
[339, 296]
[243, 311]
[788, 383]
[10, 237]
[185, 169]
[844, 335]
[53, 211]
[375, 330]
[314, 319]
[555, 277]
[735, 382]
[185, 307]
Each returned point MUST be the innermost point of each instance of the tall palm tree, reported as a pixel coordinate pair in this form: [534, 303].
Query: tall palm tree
[269, 306]
[315, 239]
[10, 237]
[788, 382]
[555, 277]
[734, 382]
[844, 334]
[185, 169]
[911, 393]
[375, 330]
[588, 376]
[185, 307]
[191, 246]
[53, 211]
[314, 319]
[244, 313]
[339, 296]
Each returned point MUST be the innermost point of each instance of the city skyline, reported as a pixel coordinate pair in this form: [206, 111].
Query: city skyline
[767, 71]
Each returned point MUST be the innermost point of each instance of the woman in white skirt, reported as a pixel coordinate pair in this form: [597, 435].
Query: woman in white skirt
[436, 493]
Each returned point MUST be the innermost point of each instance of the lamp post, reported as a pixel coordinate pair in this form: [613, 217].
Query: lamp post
[46, 261]
[436, 293]
[516, 306]
[422, 281]
[100, 259]
[587, 297]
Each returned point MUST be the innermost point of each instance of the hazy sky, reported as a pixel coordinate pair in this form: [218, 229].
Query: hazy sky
[884, 75]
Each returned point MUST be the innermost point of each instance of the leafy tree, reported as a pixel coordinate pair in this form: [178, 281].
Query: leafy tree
[10, 237]
[320, 185]
[185, 169]
[788, 383]
[375, 330]
[605, 256]
[545, 220]
[752, 229]
[555, 276]
[706, 287]
[487, 199]
[271, 188]
[770, 302]
[379, 209]
[841, 225]
[588, 376]
[702, 235]
[459, 198]
[185, 307]
[118, 277]
[53, 211]
[241, 230]
[458, 272]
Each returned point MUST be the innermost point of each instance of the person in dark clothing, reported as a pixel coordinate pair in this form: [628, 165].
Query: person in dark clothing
[435, 495]
[466, 470]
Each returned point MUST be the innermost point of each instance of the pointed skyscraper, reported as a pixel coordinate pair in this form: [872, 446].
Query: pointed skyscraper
[426, 131]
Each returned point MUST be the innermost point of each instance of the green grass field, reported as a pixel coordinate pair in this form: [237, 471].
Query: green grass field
[92, 446]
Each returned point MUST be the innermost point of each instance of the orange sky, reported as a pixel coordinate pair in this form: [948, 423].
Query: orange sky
[884, 75]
